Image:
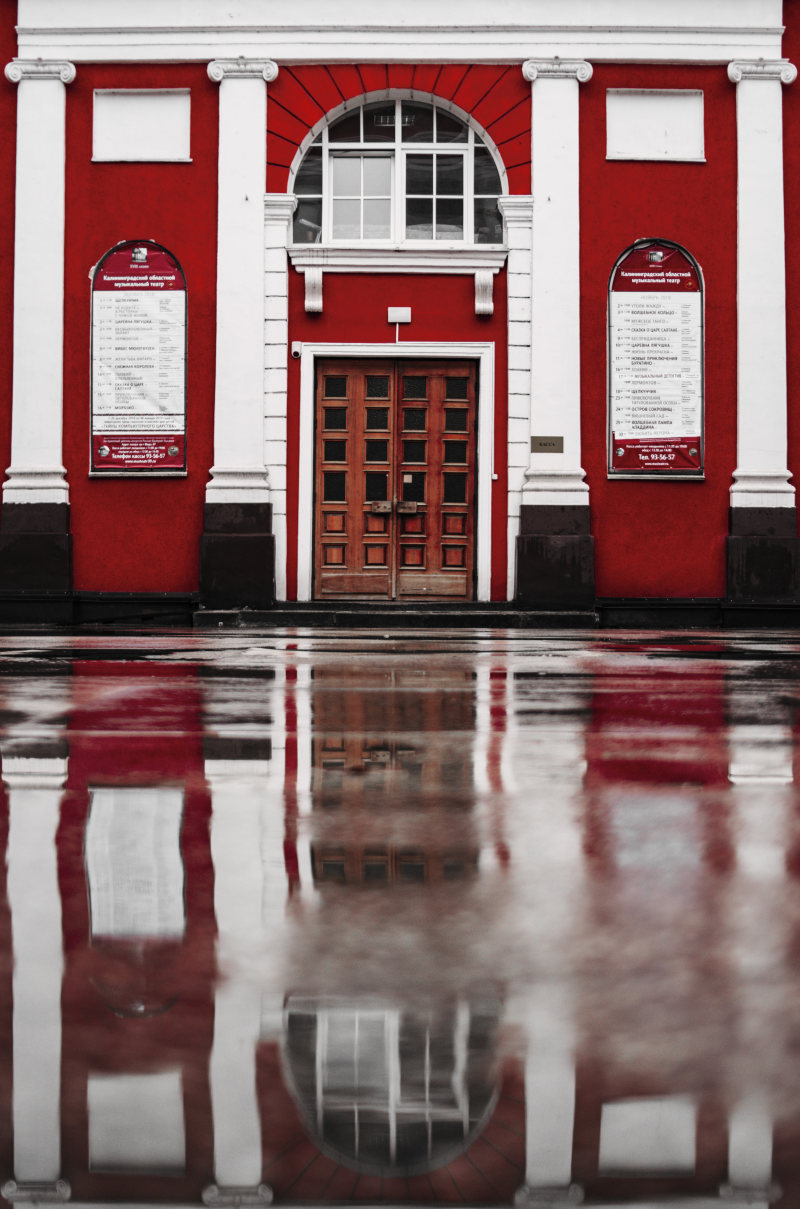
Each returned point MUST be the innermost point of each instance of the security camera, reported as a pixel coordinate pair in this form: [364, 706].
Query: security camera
[297, 349]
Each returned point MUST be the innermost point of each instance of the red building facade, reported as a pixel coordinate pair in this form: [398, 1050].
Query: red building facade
[360, 202]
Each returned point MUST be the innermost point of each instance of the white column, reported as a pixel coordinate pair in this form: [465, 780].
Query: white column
[761, 478]
[555, 410]
[35, 787]
[36, 474]
[517, 214]
[237, 789]
[750, 1152]
[239, 474]
[278, 211]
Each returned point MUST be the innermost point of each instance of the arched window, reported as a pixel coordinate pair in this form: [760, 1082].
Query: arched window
[398, 172]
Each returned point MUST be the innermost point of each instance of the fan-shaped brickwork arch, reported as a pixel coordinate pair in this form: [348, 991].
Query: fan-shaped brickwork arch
[495, 100]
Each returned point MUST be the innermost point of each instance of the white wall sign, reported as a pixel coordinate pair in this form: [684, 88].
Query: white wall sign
[137, 124]
[654, 124]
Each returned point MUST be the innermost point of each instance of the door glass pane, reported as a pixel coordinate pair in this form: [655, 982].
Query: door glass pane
[455, 388]
[377, 176]
[413, 451]
[377, 418]
[488, 223]
[419, 174]
[336, 386]
[455, 489]
[414, 419]
[415, 387]
[346, 176]
[377, 386]
[376, 486]
[346, 129]
[336, 417]
[419, 218]
[455, 451]
[336, 451]
[417, 123]
[450, 218]
[379, 122]
[449, 129]
[376, 451]
[334, 486]
[455, 421]
[347, 220]
[449, 175]
[377, 219]
[414, 487]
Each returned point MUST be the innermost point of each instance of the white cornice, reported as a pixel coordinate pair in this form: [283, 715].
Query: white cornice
[762, 69]
[40, 69]
[700, 31]
[396, 260]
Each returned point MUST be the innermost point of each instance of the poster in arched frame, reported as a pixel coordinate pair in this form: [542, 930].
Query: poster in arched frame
[655, 363]
[138, 360]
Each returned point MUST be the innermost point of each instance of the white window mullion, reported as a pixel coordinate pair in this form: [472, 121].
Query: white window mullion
[327, 203]
[469, 189]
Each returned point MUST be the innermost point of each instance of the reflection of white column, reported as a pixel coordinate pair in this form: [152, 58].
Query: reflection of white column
[555, 478]
[549, 1100]
[278, 211]
[35, 788]
[237, 789]
[239, 474]
[761, 478]
[750, 1153]
[36, 474]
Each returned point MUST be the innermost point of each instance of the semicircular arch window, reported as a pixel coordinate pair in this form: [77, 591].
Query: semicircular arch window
[391, 1090]
[398, 172]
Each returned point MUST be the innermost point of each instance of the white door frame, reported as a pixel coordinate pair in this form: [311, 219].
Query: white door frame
[480, 351]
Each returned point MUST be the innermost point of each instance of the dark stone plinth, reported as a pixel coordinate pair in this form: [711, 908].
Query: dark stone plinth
[762, 568]
[35, 548]
[237, 557]
[555, 556]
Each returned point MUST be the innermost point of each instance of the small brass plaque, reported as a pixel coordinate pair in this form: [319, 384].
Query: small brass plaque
[547, 444]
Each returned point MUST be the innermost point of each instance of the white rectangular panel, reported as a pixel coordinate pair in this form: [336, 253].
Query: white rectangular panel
[134, 865]
[142, 124]
[648, 1136]
[651, 124]
[136, 1123]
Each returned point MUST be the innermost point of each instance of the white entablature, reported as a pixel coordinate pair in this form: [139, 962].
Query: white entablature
[696, 31]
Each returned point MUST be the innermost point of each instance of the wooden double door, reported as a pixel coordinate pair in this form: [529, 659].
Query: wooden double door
[395, 480]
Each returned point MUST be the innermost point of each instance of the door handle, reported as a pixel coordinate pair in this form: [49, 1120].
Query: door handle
[378, 506]
[406, 506]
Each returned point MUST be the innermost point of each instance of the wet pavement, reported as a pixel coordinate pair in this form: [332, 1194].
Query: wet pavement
[464, 917]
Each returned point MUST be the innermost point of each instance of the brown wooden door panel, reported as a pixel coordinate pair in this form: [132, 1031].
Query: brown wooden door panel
[395, 479]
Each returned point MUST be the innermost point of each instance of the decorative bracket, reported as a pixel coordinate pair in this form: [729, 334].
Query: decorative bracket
[313, 276]
[484, 289]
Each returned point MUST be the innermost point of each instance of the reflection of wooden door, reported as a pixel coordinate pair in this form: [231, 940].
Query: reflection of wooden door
[395, 479]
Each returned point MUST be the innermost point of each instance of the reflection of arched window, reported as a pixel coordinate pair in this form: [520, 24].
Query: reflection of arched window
[391, 1090]
[398, 171]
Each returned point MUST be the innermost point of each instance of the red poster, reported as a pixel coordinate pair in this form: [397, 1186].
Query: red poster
[656, 362]
[138, 361]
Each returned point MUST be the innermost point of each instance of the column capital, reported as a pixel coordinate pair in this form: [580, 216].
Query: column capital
[762, 69]
[516, 209]
[557, 69]
[242, 69]
[279, 207]
[530, 1197]
[220, 1197]
[40, 69]
[22, 1192]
